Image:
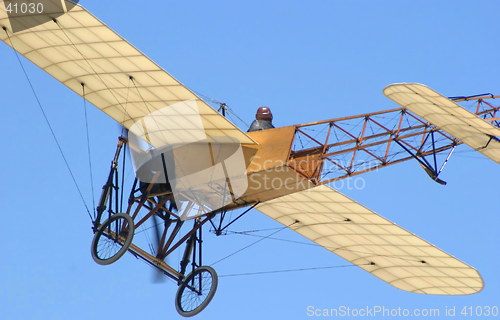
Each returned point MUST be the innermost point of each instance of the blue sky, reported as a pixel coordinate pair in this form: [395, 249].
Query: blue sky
[308, 61]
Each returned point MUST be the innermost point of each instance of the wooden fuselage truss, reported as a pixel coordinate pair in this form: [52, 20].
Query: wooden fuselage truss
[287, 160]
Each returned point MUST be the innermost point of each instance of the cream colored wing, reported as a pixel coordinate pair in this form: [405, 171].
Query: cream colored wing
[448, 116]
[118, 79]
[373, 243]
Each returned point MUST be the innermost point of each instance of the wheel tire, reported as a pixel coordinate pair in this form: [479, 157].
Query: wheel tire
[106, 248]
[188, 302]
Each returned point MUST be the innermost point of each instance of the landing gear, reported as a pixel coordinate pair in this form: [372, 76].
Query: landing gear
[196, 291]
[112, 239]
[155, 202]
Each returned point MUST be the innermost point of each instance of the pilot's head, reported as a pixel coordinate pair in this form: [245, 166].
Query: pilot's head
[264, 113]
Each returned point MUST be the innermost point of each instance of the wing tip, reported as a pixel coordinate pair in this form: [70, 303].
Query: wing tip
[450, 290]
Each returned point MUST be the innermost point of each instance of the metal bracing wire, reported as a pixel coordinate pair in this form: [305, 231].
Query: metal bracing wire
[49, 125]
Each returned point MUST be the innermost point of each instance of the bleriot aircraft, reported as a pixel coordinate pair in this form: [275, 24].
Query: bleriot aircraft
[193, 166]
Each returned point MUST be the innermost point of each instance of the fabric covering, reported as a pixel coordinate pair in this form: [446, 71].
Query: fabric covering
[448, 116]
[373, 243]
[118, 79]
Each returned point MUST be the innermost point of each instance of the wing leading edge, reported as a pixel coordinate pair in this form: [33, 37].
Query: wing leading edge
[373, 243]
[118, 79]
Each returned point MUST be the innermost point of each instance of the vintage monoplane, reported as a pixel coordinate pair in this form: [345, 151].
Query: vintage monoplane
[193, 165]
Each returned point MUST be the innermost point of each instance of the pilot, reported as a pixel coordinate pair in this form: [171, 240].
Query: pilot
[263, 120]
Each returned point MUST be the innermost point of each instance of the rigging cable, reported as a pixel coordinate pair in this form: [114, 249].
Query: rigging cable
[124, 130]
[234, 114]
[88, 149]
[205, 98]
[253, 243]
[92, 68]
[329, 248]
[291, 270]
[48, 123]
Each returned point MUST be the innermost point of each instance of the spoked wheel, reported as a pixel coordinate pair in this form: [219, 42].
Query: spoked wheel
[112, 239]
[196, 291]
